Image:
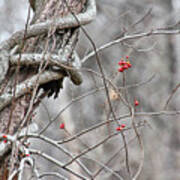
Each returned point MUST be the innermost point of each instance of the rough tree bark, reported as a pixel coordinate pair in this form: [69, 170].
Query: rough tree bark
[17, 89]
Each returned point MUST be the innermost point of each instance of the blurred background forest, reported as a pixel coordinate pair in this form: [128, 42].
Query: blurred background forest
[154, 56]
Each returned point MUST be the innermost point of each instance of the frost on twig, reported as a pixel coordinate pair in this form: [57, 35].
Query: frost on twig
[4, 147]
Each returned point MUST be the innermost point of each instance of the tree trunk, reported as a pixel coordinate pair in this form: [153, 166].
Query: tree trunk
[13, 116]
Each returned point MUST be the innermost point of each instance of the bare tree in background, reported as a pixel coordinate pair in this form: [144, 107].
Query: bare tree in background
[33, 65]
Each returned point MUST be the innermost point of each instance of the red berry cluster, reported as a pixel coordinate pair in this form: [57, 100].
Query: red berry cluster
[4, 138]
[121, 127]
[124, 64]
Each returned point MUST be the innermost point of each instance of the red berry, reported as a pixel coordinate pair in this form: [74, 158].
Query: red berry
[127, 57]
[27, 155]
[121, 69]
[4, 136]
[136, 102]
[5, 141]
[121, 62]
[119, 128]
[129, 65]
[62, 126]
[125, 66]
[123, 125]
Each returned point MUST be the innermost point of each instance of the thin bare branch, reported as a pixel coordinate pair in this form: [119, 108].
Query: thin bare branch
[171, 96]
[140, 144]
[132, 37]
[56, 162]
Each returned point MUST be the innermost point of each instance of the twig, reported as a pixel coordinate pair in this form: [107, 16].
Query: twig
[140, 144]
[131, 37]
[58, 163]
[95, 146]
[104, 167]
[56, 174]
[55, 144]
[110, 159]
[142, 18]
[170, 96]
